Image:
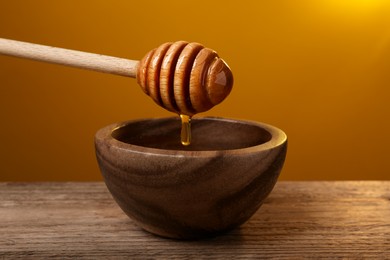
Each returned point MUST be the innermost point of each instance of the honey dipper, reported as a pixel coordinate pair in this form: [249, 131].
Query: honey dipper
[185, 78]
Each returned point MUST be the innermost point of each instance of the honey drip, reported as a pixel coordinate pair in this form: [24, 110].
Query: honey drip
[185, 130]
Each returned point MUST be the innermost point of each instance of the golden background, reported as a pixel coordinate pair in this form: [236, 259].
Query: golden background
[319, 70]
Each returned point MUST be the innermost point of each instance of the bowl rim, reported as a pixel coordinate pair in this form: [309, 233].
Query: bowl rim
[104, 135]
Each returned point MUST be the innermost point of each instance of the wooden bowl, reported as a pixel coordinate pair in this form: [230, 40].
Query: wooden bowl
[211, 186]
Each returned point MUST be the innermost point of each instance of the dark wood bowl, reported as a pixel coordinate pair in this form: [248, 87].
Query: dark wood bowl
[211, 186]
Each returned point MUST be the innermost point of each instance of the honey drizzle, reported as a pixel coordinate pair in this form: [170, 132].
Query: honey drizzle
[185, 130]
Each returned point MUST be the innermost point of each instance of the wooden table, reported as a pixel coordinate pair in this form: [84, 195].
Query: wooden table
[299, 220]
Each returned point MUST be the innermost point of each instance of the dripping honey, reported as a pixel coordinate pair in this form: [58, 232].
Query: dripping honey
[185, 130]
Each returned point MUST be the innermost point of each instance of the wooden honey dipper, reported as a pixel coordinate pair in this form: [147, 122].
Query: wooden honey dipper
[185, 78]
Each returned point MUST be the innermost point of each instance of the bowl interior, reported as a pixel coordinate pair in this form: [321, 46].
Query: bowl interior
[208, 134]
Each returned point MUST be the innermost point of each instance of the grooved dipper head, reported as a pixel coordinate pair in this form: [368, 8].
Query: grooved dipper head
[185, 78]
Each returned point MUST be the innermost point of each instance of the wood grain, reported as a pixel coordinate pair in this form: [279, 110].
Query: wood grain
[299, 220]
[213, 185]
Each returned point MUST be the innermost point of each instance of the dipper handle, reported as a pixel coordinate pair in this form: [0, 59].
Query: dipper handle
[185, 78]
[78, 59]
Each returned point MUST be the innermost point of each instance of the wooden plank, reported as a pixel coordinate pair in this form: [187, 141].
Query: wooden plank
[313, 220]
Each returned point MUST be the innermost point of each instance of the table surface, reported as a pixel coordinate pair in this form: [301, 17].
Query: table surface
[343, 219]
